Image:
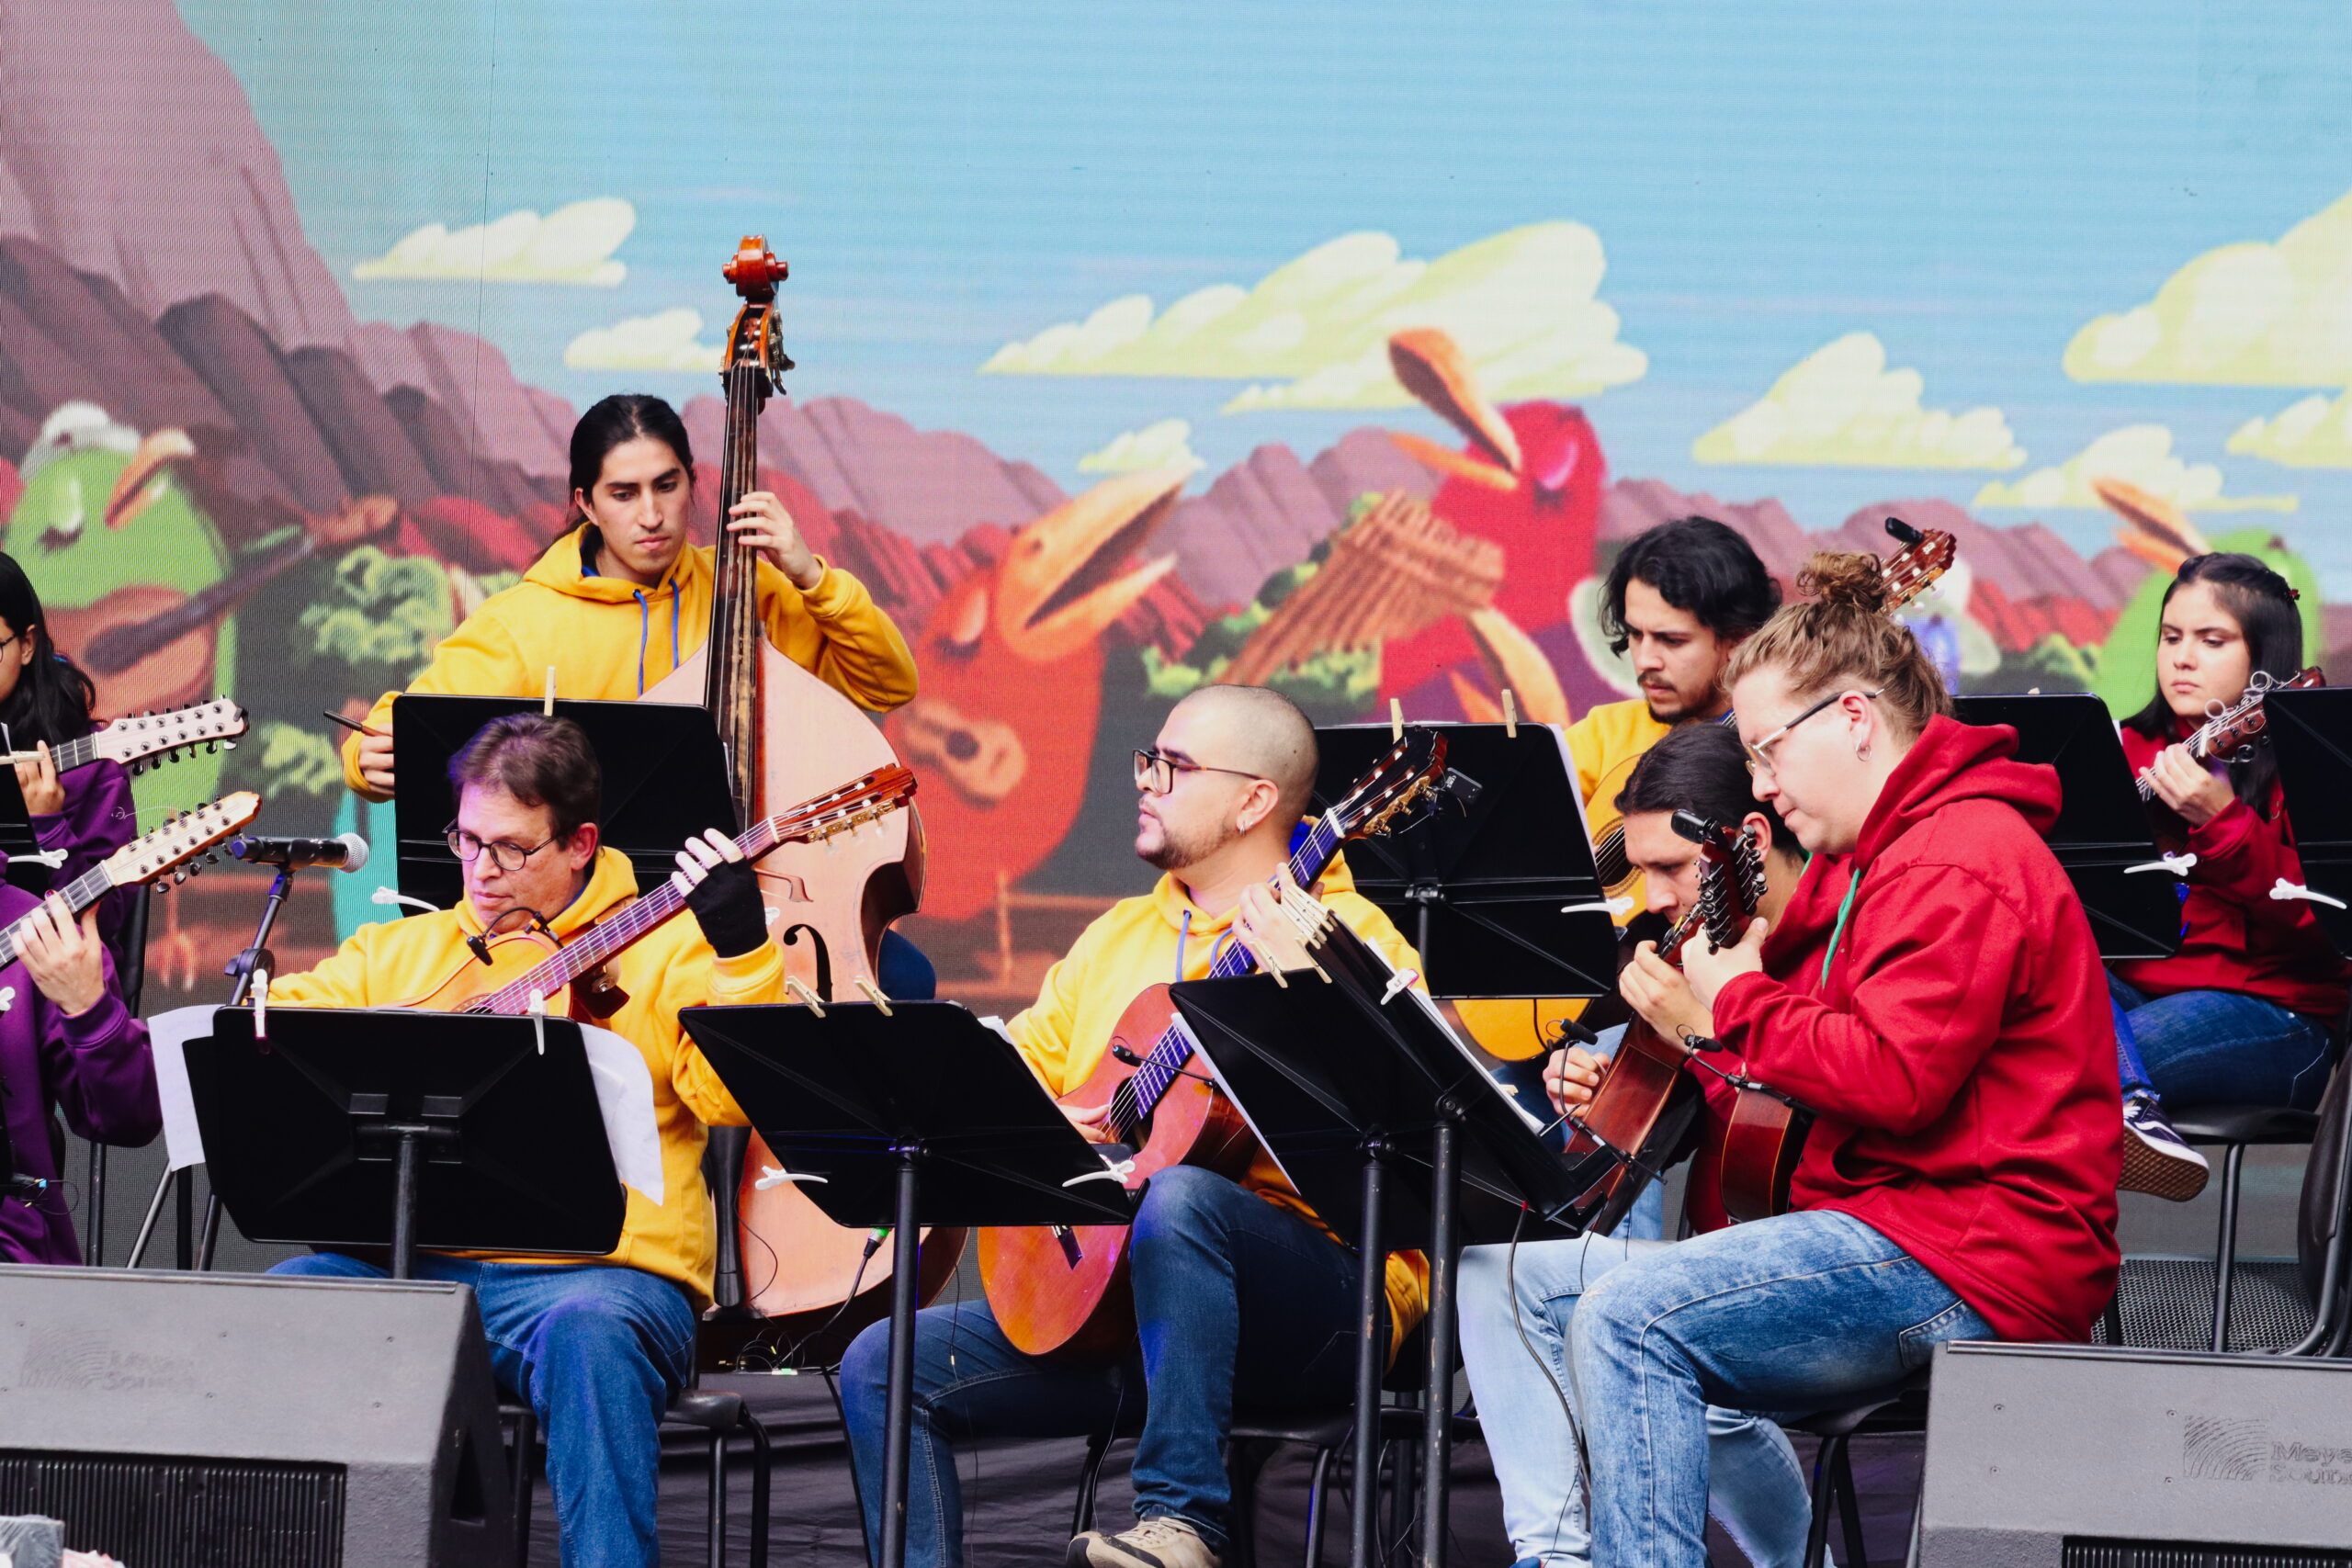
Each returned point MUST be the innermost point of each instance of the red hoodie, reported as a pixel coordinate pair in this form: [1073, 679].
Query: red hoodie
[1960, 1052]
[2237, 937]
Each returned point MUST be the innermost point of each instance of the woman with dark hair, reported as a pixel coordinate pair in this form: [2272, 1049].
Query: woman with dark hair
[2243, 1011]
[45, 700]
[621, 600]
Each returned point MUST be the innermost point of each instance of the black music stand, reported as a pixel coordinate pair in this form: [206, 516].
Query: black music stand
[1341, 1084]
[1495, 884]
[362, 1127]
[665, 780]
[2102, 839]
[2310, 730]
[861, 1101]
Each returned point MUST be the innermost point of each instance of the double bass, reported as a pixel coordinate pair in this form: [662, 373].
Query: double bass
[789, 736]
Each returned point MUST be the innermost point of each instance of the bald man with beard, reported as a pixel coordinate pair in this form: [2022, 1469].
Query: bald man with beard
[1237, 1285]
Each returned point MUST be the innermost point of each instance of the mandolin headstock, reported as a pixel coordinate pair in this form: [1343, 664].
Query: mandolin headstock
[1731, 875]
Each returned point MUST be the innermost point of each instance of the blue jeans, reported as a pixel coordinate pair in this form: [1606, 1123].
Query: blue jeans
[598, 1352]
[1754, 1484]
[1793, 1313]
[2219, 1048]
[1230, 1292]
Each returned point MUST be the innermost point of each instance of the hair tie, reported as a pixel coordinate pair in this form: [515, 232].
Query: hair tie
[2294, 593]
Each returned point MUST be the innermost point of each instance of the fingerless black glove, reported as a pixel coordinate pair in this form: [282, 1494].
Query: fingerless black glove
[727, 905]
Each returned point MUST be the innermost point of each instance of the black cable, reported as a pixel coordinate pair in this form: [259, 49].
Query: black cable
[1519, 1325]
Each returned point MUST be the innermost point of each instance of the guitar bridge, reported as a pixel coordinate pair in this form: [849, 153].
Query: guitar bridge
[1068, 1240]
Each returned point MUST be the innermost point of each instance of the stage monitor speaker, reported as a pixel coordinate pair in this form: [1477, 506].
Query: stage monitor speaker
[180, 1420]
[2062, 1456]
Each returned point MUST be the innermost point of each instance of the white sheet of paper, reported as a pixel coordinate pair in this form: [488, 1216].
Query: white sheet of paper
[170, 1031]
[624, 1093]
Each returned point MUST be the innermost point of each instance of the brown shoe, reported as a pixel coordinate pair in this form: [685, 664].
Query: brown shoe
[2158, 1160]
[1162, 1542]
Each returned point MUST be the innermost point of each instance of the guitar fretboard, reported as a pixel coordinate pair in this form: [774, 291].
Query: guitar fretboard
[79, 895]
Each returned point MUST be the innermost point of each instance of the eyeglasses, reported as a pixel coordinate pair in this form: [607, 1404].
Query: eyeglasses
[504, 853]
[1759, 753]
[1156, 773]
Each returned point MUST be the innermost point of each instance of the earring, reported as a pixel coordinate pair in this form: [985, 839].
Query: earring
[1862, 752]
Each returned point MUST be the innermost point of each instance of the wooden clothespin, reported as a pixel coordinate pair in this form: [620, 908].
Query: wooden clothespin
[1510, 714]
[874, 994]
[547, 705]
[1395, 718]
[802, 994]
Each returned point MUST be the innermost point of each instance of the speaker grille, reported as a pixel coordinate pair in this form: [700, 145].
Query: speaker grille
[2084, 1551]
[162, 1512]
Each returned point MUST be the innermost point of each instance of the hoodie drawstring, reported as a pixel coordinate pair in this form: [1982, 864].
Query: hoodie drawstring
[645, 629]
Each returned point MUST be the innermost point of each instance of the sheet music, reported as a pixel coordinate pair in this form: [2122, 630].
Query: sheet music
[624, 1093]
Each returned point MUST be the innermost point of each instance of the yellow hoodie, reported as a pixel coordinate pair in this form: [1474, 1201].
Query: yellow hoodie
[1164, 937]
[610, 639]
[396, 963]
[1604, 745]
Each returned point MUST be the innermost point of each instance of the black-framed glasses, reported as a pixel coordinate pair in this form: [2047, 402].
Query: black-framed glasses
[1759, 753]
[504, 853]
[1155, 772]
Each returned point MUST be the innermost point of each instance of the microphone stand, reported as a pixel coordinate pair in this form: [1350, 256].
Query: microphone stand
[241, 969]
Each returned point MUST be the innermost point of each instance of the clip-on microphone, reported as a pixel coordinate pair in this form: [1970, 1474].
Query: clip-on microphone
[1131, 1059]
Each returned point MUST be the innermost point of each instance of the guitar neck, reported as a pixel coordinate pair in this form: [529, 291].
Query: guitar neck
[79, 895]
[78, 753]
[611, 936]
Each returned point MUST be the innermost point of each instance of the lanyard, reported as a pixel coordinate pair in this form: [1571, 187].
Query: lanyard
[1853, 885]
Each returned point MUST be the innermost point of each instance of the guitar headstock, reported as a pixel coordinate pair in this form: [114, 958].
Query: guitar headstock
[1731, 875]
[1926, 555]
[848, 808]
[133, 741]
[752, 343]
[2241, 724]
[1397, 784]
[181, 839]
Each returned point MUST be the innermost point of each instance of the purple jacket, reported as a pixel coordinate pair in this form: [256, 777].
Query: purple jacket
[95, 1067]
[98, 819]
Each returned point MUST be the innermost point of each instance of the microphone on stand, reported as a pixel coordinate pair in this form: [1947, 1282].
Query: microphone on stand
[347, 852]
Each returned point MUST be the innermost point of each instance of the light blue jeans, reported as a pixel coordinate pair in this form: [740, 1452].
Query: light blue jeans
[1798, 1313]
[597, 1352]
[1756, 1487]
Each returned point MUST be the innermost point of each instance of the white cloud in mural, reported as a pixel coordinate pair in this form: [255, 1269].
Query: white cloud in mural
[2141, 455]
[571, 244]
[1165, 444]
[2315, 432]
[1312, 334]
[2248, 315]
[1842, 406]
[668, 340]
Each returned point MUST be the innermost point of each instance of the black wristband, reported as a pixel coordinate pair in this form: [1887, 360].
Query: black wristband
[727, 905]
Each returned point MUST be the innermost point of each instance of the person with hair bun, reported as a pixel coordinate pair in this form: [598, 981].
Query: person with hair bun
[1932, 992]
[621, 600]
[2244, 1011]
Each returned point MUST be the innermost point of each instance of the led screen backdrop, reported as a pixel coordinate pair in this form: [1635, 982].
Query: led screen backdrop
[298, 304]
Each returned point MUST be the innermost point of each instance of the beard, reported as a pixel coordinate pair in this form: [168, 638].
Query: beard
[1173, 851]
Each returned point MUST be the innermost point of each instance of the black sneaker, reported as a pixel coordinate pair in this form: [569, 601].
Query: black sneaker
[2158, 1160]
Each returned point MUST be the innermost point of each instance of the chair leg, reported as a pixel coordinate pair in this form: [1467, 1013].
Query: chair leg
[1850, 1504]
[717, 1538]
[1317, 1496]
[1081, 1518]
[527, 1442]
[2225, 1247]
[1817, 1539]
[762, 1470]
[1242, 1462]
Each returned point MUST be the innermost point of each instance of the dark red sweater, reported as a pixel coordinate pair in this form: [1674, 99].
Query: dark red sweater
[2237, 937]
[1961, 1052]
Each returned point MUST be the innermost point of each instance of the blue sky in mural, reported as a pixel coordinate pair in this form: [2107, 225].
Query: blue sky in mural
[1969, 185]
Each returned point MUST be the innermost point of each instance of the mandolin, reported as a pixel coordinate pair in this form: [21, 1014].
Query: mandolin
[789, 735]
[2232, 731]
[1927, 554]
[1063, 1287]
[152, 856]
[1645, 1112]
[131, 741]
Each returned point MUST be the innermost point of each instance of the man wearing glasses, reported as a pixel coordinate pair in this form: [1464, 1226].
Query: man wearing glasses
[1236, 1284]
[596, 1346]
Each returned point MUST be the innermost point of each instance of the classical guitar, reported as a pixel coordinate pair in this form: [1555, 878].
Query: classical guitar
[1062, 1287]
[1927, 554]
[1645, 1111]
[133, 741]
[528, 970]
